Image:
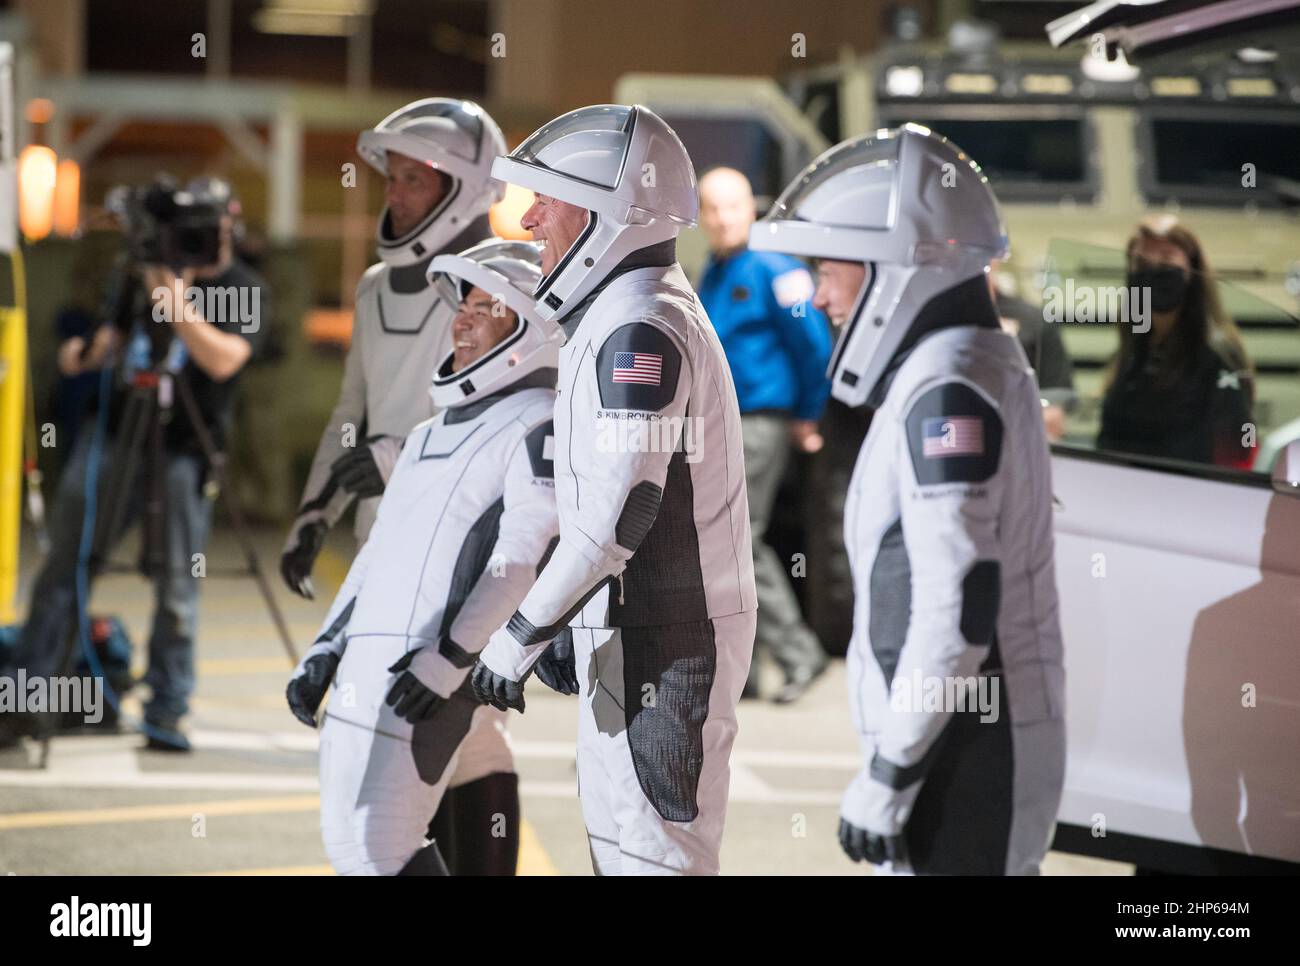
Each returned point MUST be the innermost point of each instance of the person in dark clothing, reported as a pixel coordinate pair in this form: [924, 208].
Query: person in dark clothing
[211, 319]
[777, 348]
[1180, 387]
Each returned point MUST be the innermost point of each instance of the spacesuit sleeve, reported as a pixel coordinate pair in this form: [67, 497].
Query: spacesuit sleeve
[806, 336]
[321, 493]
[950, 448]
[627, 410]
[525, 532]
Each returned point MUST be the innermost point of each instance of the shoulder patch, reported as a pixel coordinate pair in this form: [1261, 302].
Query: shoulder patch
[541, 450]
[954, 435]
[792, 287]
[638, 366]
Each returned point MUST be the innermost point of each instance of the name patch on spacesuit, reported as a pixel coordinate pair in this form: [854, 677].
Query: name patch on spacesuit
[954, 435]
[638, 367]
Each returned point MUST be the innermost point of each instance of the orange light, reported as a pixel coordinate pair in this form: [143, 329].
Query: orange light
[39, 110]
[37, 169]
[505, 214]
[67, 198]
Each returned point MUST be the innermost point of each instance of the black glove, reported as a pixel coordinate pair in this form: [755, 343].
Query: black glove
[297, 561]
[863, 846]
[358, 473]
[556, 665]
[408, 697]
[307, 689]
[491, 688]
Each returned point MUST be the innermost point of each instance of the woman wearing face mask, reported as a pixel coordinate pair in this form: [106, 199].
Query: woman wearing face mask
[1183, 388]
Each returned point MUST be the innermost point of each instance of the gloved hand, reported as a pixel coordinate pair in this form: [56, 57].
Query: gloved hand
[505, 664]
[496, 689]
[311, 679]
[863, 846]
[872, 818]
[365, 470]
[556, 666]
[305, 541]
[425, 680]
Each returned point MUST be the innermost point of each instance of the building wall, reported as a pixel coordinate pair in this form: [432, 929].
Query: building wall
[562, 54]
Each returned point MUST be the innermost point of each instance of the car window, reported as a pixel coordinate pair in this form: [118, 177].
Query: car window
[1028, 155]
[1233, 405]
[1214, 173]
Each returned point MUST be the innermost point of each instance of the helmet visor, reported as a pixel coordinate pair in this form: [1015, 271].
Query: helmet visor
[850, 186]
[454, 128]
[589, 144]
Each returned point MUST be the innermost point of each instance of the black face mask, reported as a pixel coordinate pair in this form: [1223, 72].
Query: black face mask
[1168, 285]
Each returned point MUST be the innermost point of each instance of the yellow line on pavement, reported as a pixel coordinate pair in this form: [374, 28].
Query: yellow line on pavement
[331, 569]
[533, 859]
[154, 813]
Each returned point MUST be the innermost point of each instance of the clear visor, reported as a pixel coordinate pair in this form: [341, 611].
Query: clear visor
[861, 173]
[589, 144]
[506, 270]
[459, 119]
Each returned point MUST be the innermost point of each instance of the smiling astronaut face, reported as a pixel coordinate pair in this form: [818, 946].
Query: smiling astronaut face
[481, 322]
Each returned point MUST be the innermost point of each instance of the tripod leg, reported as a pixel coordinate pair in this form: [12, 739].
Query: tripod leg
[109, 523]
[217, 461]
[111, 520]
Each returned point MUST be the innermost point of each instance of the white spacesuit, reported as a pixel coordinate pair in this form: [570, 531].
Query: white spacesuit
[653, 567]
[955, 669]
[400, 327]
[463, 527]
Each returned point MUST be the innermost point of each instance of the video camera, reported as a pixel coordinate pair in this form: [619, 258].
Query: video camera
[166, 224]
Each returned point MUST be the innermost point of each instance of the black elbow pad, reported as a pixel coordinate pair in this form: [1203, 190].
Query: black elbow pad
[638, 515]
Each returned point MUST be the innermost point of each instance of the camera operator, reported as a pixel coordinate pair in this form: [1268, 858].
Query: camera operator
[184, 303]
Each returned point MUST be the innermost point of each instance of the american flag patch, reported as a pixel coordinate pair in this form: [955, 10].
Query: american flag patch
[642, 368]
[944, 436]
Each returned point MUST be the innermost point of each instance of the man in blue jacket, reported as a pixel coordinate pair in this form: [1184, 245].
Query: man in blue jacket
[778, 347]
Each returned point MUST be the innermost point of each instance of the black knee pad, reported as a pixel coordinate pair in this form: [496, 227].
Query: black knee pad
[478, 826]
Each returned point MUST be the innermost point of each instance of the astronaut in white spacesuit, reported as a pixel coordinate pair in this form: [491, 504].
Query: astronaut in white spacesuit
[955, 669]
[463, 527]
[653, 567]
[437, 155]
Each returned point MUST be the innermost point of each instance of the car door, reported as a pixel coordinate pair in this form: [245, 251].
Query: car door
[1180, 608]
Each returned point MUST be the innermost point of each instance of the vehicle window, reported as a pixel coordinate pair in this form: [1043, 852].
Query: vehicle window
[1231, 402]
[1214, 172]
[1024, 158]
[741, 143]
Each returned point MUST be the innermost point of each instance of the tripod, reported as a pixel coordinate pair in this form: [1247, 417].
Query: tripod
[140, 438]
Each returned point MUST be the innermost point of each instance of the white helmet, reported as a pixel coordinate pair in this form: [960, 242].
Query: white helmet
[627, 168]
[451, 135]
[508, 271]
[915, 208]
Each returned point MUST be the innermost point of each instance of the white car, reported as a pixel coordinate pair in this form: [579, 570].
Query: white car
[1180, 607]
[1180, 610]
